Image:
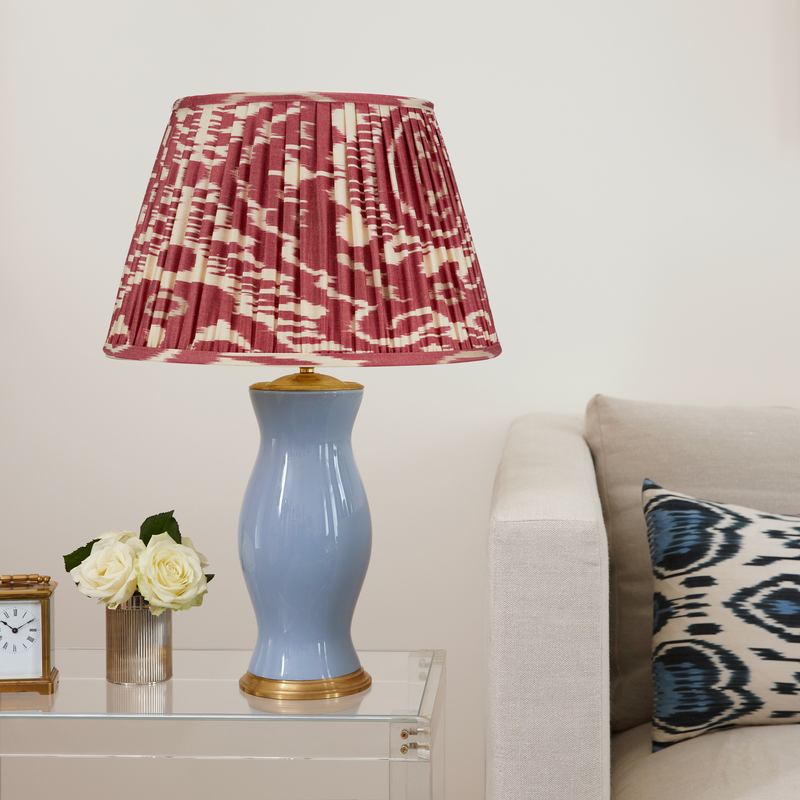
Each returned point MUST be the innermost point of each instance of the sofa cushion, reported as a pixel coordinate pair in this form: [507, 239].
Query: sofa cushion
[742, 763]
[746, 456]
[726, 605]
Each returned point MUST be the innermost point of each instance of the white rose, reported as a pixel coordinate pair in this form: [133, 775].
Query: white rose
[171, 574]
[188, 542]
[108, 572]
[112, 537]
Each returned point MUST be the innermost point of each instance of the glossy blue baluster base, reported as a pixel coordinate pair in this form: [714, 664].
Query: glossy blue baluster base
[305, 537]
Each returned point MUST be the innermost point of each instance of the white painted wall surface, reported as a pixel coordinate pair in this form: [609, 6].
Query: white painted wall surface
[631, 174]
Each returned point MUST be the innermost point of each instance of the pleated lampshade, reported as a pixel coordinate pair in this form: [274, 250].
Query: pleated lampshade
[305, 230]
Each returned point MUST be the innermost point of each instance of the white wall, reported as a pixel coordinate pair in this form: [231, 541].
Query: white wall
[631, 173]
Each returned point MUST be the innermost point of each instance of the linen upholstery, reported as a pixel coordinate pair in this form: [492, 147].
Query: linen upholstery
[758, 763]
[547, 727]
[743, 456]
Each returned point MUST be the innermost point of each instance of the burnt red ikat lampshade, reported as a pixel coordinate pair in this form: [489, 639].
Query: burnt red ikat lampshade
[302, 229]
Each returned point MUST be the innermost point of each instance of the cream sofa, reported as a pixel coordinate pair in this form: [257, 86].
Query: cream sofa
[570, 608]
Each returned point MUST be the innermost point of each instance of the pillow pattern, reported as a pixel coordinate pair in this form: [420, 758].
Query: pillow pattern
[726, 615]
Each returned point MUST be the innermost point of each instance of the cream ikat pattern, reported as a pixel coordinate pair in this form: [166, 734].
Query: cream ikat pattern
[302, 229]
[726, 615]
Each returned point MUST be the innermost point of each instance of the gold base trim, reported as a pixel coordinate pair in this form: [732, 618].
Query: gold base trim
[38, 685]
[322, 689]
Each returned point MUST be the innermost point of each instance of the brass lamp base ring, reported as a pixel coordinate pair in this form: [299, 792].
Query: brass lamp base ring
[323, 689]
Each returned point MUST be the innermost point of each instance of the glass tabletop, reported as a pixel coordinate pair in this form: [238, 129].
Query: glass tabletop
[205, 685]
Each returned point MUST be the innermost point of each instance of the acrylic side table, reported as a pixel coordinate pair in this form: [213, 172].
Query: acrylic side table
[198, 736]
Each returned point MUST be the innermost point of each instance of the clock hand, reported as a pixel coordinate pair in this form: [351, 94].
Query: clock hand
[23, 625]
[13, 630]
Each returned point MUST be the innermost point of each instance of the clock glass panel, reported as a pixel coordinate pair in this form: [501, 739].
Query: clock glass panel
[20, 639]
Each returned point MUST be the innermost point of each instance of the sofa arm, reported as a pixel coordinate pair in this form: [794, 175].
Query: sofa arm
[547, 694]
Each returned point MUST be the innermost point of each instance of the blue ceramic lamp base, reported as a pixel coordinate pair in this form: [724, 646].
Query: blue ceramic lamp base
[305, 537]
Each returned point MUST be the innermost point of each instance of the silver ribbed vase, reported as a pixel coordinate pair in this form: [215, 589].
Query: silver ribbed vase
[138, 644]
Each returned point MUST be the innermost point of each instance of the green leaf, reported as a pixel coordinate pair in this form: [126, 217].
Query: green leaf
[209, 577]
[160, 523]
[77, 557]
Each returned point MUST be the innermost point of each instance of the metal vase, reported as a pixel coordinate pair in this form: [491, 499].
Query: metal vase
[138, 644]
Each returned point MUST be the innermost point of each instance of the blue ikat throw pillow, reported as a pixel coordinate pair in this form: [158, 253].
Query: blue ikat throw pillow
[726, 615]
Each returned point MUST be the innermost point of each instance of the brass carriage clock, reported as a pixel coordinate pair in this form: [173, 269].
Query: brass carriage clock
[26, 634]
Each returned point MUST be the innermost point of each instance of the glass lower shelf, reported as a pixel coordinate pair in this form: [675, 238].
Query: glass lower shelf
[205, 684]
[201, 713]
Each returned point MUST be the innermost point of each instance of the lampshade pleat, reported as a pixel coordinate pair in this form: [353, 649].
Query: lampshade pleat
[302, 229]
[416, 280]
[263, 186]
[369, 141]
[453, 268]
[200, 208]
[389, 215]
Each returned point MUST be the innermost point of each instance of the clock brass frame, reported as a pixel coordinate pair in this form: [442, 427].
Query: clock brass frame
[41, 588]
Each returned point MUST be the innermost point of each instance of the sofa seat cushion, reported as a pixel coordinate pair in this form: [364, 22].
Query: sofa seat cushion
[742, 456]
[755, 763]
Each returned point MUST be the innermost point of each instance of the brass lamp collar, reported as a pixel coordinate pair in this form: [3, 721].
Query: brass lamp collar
[307, 381]
[323, 689]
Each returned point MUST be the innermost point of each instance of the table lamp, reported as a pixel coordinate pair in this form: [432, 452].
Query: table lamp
[304, 230]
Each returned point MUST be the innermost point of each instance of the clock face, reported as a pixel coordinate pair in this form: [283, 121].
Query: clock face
[20, 639]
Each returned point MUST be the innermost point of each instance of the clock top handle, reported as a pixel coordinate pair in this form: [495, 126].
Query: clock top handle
[32, 579]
